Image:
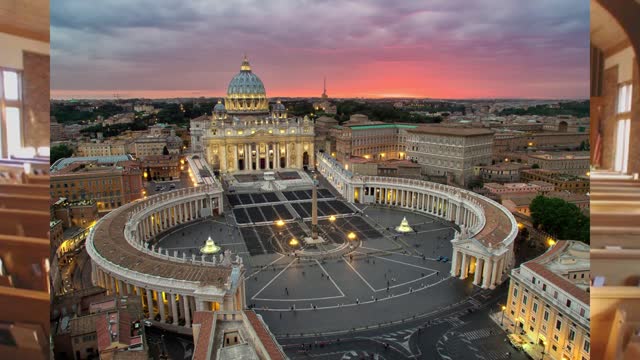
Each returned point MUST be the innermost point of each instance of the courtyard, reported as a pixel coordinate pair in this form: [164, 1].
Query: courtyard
[379, 277]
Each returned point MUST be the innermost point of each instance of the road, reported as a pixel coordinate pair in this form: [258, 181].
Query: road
[461, 332]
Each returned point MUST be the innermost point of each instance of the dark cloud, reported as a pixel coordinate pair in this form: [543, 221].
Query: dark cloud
[166, 44]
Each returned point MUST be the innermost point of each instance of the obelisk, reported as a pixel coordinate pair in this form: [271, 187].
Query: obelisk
[314, 209]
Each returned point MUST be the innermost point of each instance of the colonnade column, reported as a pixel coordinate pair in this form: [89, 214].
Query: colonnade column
[150, 303]
[174, 309]
[163, 317]
[478, 274]
[486, 273]
[465, 266]
[494, 274]
[454, 263]
[187, 314]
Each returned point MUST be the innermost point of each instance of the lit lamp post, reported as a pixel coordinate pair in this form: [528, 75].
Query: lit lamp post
[294, 242]
[502, 320]
[351, 236]
[280, 222]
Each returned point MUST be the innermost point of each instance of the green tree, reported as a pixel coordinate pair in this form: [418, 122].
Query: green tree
[535, 166]
[60, 152]
[562, 220]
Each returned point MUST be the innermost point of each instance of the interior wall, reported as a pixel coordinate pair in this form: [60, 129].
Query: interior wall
[624, 60]
[13, 46]
[35, 91]
[32, 58]
[609, 93]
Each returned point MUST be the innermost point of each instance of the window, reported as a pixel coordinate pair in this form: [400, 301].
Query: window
[558, 325]
[544, 287]
[11, 113]
[622, 145]
[582, 312]
[535, 307]
[524, 300]
[572, 335]
[587, 346]
[568, 303]
[624, 98]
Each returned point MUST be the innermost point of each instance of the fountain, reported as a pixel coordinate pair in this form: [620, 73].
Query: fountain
[404, 226]
[210, 247]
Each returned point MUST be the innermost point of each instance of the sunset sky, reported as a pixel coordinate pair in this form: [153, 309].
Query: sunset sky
[438, 49]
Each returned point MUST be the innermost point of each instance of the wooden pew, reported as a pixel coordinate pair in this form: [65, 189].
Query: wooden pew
[25, 189]
[24, 296]
[616, 305]
[24, 202]
[24, 260]
[25, 223]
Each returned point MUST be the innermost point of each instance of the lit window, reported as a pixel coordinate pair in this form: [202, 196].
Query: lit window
[10, 85]
[624, 98]
[10, 113]
[14, 136]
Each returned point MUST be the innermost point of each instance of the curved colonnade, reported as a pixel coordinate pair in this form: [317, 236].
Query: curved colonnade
[484, 245]
[171, 285]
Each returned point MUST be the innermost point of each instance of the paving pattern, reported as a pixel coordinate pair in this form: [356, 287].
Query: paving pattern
[389, 277]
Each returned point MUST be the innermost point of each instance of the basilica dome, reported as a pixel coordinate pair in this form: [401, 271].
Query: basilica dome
[246, 94]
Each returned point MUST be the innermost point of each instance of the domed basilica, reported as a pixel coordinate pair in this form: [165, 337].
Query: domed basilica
[243, 134]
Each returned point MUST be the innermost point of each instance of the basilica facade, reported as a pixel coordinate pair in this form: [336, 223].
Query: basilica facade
[244, 134]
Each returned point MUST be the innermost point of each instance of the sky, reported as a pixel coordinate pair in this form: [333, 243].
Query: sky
[449, 49]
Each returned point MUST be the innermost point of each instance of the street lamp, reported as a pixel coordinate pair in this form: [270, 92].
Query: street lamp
[294, 242]
[351, 236]
[332, 218]
[502, 320]
[280, 222]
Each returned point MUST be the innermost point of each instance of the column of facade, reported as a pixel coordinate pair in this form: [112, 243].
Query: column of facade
[299, 155]
[237, 158]
[276, 155]
[478, 274]
[465, 266]
[486, 273]
[150, 303]
[223, 158]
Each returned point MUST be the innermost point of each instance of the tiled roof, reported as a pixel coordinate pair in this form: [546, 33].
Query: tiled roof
[205, 336]
[111, 244]
[536, 265]
[265, 336]
[497, 226]
[451, 130]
